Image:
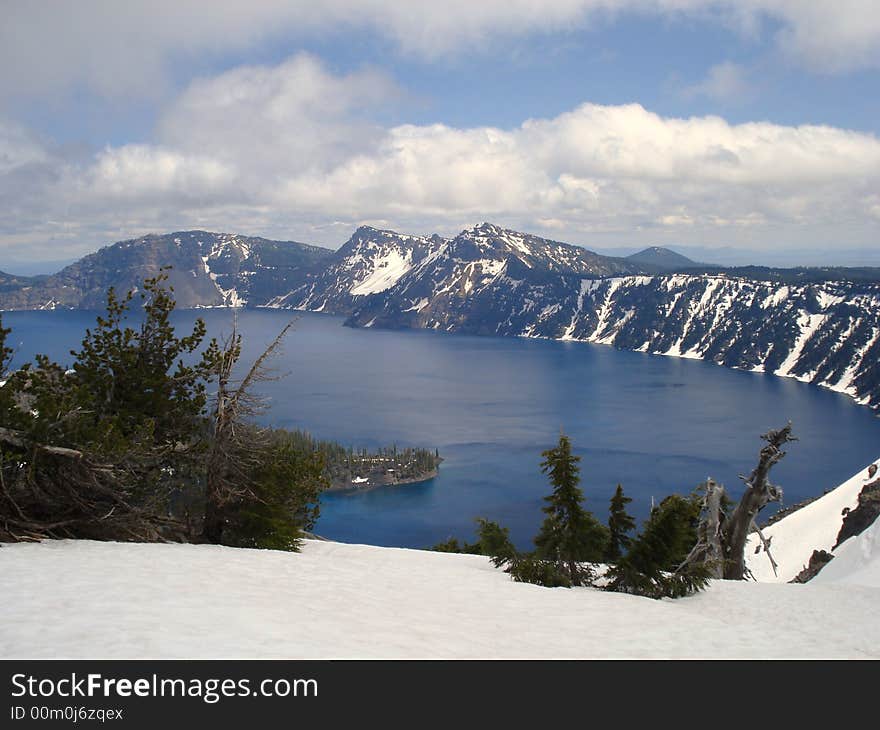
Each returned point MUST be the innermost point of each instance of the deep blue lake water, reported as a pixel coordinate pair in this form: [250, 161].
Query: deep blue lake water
[654, 424]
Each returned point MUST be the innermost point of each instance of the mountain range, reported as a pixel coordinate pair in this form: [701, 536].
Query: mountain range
[819, 325]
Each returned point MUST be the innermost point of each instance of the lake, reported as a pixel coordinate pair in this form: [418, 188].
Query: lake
[654, 424]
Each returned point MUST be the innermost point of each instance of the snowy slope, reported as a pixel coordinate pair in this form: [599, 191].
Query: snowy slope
[370, 262]
[120, 600]
[815, 527]
[855, 561]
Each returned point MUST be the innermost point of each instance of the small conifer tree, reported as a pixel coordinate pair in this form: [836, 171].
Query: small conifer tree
[655, 566]
[494, 539]
[570, 535]
[5, 352]
[619, 524]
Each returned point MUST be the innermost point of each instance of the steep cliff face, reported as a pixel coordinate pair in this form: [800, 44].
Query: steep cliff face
[824, 333]
[827, 334]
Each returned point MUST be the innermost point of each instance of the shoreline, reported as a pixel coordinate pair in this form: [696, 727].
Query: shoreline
[370, 486]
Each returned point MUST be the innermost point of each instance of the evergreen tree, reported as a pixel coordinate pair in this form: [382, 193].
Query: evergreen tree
[282, 501]
[5, 352]
[570, 535]
[7, 403]
[494, 540]
[131, 378]
[655, 566]
[100, 450]
[619, 524]
[528, 568]
[450, 545]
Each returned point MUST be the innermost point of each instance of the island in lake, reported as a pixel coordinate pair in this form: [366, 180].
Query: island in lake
[362, 470]
[350, 469]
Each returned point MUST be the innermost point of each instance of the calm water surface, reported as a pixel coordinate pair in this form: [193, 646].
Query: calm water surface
[491, 405]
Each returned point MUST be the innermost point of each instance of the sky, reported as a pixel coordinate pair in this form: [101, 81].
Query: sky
[726, 128]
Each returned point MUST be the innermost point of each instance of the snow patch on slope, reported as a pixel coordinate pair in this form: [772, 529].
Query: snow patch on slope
[387, 270]
[794, 537]
[855, 561]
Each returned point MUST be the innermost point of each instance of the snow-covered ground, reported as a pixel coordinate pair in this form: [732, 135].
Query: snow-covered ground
[814, 527]
[75, 599]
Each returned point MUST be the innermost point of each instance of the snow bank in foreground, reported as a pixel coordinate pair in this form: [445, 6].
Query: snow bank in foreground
[108, 600]
[814, 527]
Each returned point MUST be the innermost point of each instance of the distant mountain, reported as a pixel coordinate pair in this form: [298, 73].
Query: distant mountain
[12, 282]
[370, 262]
[820, 326]
[207, 270]
[484, 280]
[825, 333]
[663, 258]
[375, 262]
[817, 325]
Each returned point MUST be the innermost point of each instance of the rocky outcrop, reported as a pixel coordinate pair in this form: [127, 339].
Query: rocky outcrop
[857, 520]
[818, 560]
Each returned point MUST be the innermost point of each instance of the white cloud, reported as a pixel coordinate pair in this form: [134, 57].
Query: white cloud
[289, 151]
[141, 173]
[50, 47]
[292, 116]
[827, 36]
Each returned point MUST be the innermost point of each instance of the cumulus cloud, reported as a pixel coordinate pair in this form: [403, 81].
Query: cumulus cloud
[291, 151]
[130, 48]
[292, 116]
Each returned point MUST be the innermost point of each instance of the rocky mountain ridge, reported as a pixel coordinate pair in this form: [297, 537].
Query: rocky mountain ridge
[820, 326]
[206, 270]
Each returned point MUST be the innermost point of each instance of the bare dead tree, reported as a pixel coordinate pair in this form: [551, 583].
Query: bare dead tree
[759, 493]
[722, 537]
[237, 444]
[709, 549]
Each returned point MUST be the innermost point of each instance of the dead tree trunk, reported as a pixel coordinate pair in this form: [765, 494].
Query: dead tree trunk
[235, 448]
[709, 550]
[759, 492]
[722, 537]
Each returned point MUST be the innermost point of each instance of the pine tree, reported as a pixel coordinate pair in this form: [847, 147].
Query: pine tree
[111, 445]
[133, 381]
[619, 524]
[283, 498]
[5, 352]
[655, 565]
[494, 540]
[570, 535]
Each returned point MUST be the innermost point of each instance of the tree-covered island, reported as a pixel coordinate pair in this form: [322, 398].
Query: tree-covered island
[350, 469]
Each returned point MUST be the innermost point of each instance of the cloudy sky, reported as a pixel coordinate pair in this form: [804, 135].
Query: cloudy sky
[751, 125]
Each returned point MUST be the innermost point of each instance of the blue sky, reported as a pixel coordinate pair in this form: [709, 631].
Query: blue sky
[698, 123]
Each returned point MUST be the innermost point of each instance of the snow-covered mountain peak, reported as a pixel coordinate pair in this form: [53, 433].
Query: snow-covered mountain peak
[370, 262]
